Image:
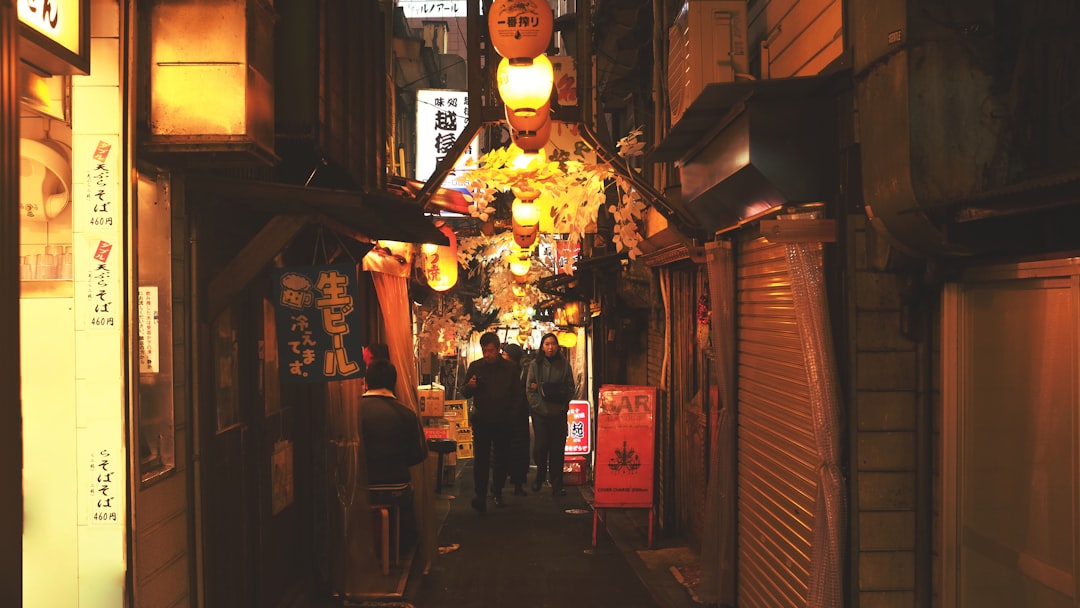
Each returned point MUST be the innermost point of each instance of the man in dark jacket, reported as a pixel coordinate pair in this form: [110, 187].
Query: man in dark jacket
[393, 441]
[518, 452]
[493, 384]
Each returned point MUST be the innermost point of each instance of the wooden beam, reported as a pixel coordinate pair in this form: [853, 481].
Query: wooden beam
[251, 260]
[799, 231]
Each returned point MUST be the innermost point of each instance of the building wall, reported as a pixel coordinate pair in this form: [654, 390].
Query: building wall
[73, 393]
[885, 397]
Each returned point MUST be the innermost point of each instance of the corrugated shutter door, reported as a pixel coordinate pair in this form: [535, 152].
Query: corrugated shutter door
[776, 458]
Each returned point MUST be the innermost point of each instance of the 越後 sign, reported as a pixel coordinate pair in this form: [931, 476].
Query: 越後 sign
[318, 323]
[441, 116]
[578, 435]
[625, 446]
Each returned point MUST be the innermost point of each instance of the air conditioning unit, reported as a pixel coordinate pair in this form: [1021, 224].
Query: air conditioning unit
[706, 44]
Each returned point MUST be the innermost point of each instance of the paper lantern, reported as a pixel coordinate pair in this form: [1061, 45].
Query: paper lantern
[567, 339]
[532, 141]
[529, 123]
[440, 261]
[520, 29]
[525, 89]
[520, 262]
[525, 213]
[524, 236]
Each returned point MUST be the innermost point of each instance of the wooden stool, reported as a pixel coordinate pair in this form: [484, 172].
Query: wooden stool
[386, 516]
[387, 520]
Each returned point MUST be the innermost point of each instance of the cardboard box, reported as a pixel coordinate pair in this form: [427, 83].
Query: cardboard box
[575, 471]
[432, 397]
[464, 449]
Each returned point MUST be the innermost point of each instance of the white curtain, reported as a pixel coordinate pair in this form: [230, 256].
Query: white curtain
[830, 512]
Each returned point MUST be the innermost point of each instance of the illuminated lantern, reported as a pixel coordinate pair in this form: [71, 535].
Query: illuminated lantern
[520, 29]
[525, 236]
[518, 290]
[531, 142]
[520, 264]
[567, 339]
[525, 213]
[525, 89]
[573, 313]
[529, 123]
[440, 261]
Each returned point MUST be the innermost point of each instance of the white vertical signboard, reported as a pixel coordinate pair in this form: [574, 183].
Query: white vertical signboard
[441, 116]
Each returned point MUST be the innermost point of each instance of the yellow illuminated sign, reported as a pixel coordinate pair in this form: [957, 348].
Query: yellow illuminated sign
[57, 20]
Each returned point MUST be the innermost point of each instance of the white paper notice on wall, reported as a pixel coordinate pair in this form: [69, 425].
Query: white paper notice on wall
[106, 486]
[149, 354]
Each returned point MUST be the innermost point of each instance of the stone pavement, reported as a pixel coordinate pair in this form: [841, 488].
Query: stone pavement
[537, 552]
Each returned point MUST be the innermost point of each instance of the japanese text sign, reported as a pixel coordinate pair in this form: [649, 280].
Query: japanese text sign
[625, 446]
[441, 116]
[578, 435]
[426, 9]
[318, 323]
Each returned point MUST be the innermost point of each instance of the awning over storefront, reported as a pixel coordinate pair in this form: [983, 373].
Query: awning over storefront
[747, 146]
[375, 215]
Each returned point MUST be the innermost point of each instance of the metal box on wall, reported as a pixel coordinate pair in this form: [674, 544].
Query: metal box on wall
[211, 78]
[706, 44]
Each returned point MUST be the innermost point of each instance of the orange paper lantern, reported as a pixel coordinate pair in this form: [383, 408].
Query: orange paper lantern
[531, 142]
[525, 236]
[520, 29]
[529, 123]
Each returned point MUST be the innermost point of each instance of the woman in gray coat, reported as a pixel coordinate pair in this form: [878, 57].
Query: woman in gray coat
[549, 387]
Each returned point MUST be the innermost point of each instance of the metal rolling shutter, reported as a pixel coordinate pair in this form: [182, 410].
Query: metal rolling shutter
[776, 458]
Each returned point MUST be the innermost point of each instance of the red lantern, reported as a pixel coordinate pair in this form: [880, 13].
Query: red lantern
[520, 29]
[440, 261]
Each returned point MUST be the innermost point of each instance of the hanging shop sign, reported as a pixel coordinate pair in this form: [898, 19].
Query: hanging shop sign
[318, 323]
[55, 35]
[625, 446]
[578, 432]
[441, 116]
[427, 9]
